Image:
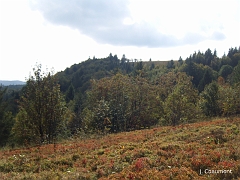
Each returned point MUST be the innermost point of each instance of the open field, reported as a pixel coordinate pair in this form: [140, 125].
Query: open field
[183, 152]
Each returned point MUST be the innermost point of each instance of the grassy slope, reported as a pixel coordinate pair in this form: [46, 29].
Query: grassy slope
[158, 153]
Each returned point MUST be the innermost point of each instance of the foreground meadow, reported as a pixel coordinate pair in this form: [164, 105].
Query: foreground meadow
[189, 151]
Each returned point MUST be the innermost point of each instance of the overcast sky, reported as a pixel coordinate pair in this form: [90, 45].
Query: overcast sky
[60, 33]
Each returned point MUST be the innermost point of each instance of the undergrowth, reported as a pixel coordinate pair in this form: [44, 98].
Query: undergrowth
[181, 152]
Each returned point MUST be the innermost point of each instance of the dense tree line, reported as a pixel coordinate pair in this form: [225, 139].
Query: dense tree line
[41, 110]
[6, 119]
[113, 95]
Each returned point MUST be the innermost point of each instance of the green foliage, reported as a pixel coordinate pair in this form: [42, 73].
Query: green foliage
[206, 79]
[234, 55]
[208, 57]
[42, 110]
[225, 71]
[122, 103]
[70, 93]
[170, 64]
[226, 60]
[133, 103]
[236, 59]
[202, 75]
[235, 78]
[6, 120]
[209, 99]
[102, 115]
[10, 98]
[138, 68]
[180, 61]
[180, 105]
[79, 75]
[111, 94]
[229, 101]
[24, 129]
[6, 124]
[216, 64]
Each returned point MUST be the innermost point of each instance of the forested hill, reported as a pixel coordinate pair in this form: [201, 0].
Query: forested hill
[204, 67]
[77, 77]
[114, 95]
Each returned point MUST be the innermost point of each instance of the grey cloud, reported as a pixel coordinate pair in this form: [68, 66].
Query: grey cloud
[218, 36]
[82, 14]
[138, 35]
[102, 20]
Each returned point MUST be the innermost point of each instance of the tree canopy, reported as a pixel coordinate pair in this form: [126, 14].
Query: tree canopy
[112, 95]
[42, 110]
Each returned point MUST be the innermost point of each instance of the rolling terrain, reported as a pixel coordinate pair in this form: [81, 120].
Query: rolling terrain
[8, 83]
[187, 151]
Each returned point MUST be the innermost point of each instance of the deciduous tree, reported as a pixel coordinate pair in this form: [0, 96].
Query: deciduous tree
[209, 99]
[180, 105]
[42, 110]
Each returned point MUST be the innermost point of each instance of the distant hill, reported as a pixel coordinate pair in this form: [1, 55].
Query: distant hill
[78, 76]
[7, 83]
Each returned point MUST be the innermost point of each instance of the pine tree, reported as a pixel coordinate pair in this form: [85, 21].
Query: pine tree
[180, 61]
[207, 78]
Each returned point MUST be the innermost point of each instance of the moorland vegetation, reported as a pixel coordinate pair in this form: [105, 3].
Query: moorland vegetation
[105, 96]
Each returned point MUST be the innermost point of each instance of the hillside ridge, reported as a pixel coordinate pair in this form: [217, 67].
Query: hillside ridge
[11, 82]
[161, 152]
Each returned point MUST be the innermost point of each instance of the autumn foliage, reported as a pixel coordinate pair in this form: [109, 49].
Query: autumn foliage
[178, 152]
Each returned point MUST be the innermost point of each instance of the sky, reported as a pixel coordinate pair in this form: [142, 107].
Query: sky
[60, 33]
